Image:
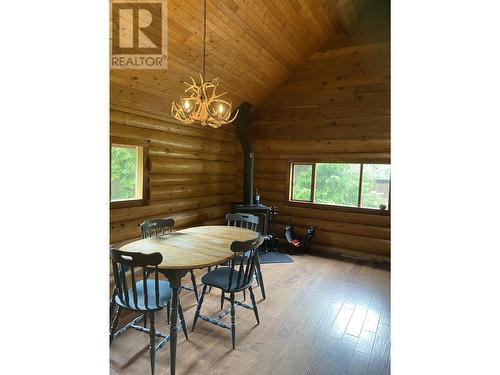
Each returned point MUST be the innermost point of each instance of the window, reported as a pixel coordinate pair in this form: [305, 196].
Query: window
[337, 184]
[375, 185]
[341, 184]
[128, 174]
[302, 178]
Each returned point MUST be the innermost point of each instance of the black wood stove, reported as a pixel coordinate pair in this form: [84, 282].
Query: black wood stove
[249, 206]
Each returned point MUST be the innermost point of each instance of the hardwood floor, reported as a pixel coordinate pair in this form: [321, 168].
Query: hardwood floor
[321, 316]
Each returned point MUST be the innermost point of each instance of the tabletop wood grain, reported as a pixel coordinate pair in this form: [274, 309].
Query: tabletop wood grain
[192, 248]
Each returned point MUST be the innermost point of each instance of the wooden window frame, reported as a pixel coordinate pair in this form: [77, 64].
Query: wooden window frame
[145, 174]
[332, 207]
[311, 194]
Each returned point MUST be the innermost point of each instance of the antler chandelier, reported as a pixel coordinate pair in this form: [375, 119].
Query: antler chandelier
[203, 105]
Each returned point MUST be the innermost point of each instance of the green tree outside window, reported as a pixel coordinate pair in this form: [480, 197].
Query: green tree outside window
[302, 182]
[123, 172]
[338, 184]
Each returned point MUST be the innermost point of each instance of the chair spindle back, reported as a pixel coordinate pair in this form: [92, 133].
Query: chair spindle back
[124, 262]
[244, 266]
[156, 227]
[242, 220]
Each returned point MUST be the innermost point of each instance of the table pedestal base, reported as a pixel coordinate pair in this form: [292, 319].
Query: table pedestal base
[174, 277]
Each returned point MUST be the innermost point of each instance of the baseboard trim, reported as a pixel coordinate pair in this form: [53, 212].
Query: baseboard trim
[352, 254]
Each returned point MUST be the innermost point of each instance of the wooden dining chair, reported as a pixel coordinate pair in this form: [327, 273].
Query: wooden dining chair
[242, 220]
[247, 221]
[157, 227]
[139, 289]
[237, 277]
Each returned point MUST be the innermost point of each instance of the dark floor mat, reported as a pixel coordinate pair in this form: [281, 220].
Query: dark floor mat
[274, 257]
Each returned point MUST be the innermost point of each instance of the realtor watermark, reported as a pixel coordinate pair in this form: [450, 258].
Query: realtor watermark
[138, 32]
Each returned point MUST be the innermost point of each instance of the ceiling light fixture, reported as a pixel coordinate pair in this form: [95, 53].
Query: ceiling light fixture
[203, 105]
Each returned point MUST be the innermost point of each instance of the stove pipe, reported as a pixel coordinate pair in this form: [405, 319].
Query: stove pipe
[242, 124]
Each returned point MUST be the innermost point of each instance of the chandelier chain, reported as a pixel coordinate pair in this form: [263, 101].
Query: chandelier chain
[204, 36]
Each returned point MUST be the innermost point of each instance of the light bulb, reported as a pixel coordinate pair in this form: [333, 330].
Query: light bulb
[221, 109]
[187, 105]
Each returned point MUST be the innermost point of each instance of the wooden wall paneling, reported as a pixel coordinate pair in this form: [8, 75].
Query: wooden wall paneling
[184, 46]
[340, 216]
[268, 185]
[172, 180]
[372, 157]
[364, 244]
[186, 191]
[345, 99]
[131, 229]
[321, 146]
[256, 21]
[252, 47]
[335, 107]
[271, 196]
[165, 208]
[191, 177]
[286, 19]
[332, 104]
[373, 127]
[175, 154]
[337, 226]
[154, 86]
[178, 142]
[270, 176]
[324, 111]
[158, 164]
[225, 25]
[270, 166]
[165, 124]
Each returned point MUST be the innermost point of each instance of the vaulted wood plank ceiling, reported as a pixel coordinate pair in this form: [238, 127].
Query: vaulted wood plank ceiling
[252, 46]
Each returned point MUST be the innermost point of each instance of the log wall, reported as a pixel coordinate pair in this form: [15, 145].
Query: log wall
[191, 172]
[336, 108]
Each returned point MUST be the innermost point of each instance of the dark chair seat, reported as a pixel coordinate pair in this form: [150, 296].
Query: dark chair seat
[219, 278]
[236, 278]
[247, 221]
[158, 227]
[148, 295]
[164, 295]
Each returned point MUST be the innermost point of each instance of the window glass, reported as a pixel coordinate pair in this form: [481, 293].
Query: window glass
[375, 186]
[337, 183]
[301, 184]
[125, 173]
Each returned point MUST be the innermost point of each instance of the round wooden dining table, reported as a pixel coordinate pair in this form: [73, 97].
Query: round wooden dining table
[185, 250]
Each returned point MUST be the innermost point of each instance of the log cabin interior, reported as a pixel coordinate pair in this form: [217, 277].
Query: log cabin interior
[306, 151]
[249, 186]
